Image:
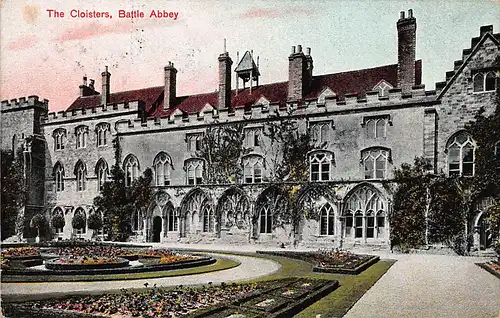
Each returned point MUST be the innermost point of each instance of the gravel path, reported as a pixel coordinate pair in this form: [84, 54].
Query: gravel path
[250, 268]
[431, 286]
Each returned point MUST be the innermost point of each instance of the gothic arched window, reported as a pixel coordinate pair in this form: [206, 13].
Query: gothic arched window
[375, 163]
[131, 168]
[81, 133]
[265, 220]
[162, 165]
[102, 131]
[194, 171]
[253, 169]
[81, 176]
[208, 219]
[59, 177]
[320, 165]
[102, 173]
[461, 154]
[327, 220]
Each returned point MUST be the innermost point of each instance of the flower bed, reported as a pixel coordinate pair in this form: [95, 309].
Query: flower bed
[65, 264]
[331, 261]
[492, 267]
[97, 251]
[205, 301]
[21, 253]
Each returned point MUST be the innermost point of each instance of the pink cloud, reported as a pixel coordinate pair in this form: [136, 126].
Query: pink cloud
[273, 13]
[22, 43]
[93, 29]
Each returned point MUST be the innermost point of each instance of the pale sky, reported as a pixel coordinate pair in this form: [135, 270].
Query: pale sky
[49, 56]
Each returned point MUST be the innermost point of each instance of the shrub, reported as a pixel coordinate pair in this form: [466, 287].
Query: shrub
[58, 221]
[78, 222]
[95, 221]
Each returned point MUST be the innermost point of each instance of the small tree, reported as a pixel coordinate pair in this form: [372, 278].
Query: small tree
[38, 222]
[78, 221]
[95, 222]
[58, 221]
[118, 201]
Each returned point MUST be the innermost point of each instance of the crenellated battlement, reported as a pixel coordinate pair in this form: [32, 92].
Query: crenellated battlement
[257, 112]
[24, 102]
[84, 113]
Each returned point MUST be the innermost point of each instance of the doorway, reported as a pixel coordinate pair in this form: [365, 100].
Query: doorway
[157, 222]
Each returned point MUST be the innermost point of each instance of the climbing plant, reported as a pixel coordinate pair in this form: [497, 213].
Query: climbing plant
[13, 192]
[222, 148]
[427, 208]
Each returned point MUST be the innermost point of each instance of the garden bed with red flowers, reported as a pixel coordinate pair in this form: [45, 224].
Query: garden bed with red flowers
[260, 299]
[492, 267]
[341, 262]
[85, 262]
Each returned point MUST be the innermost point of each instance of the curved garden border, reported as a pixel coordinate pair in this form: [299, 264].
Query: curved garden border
[105, 271]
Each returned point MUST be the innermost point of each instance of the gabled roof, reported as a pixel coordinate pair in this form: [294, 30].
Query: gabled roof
[476, 44]
[358, 82]
[148, 95]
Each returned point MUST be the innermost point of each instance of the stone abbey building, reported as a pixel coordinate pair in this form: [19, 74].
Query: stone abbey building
[363, 123]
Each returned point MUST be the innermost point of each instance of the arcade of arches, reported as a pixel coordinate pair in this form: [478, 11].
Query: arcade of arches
[237, 217]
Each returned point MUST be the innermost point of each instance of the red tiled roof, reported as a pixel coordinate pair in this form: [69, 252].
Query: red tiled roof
[148, 95]
[358, 82]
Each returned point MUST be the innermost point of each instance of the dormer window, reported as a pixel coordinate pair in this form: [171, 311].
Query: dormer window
[81, 133]
[383, 88]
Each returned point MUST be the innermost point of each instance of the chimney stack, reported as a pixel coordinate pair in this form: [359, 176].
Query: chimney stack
[170, 88]
[87, 90]
[224, 94]
[105, 87]
[299, 73]
[407, 28]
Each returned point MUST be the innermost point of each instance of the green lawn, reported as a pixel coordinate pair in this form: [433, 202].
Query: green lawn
[337, 303]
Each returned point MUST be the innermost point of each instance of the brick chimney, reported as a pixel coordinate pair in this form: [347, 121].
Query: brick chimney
[224, 95]
[105, 87]
[407, 27]
[87, 90]
[299, 73]
[170, 86]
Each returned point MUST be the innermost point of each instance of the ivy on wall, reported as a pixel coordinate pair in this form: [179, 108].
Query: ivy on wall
[13, 193]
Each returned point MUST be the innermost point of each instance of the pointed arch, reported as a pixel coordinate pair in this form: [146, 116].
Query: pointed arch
[102, 172]
[268, 205]
[365, 209]
[131, 168]
[81, 175]
[162, 165]
[58, 173]
[327, 219]
[233, 208]
[192, 207]
[461, 149]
